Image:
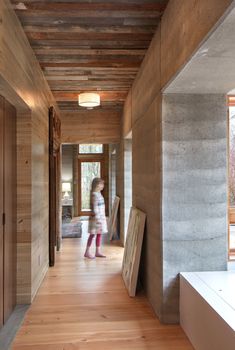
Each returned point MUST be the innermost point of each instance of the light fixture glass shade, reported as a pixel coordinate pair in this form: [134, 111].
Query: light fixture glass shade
[89, 99]
[66, 187]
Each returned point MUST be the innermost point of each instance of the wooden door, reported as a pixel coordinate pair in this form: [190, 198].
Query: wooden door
[10, 210]
[54, 184]
[1, 208]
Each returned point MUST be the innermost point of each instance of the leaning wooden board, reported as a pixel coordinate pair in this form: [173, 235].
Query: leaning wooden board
[113, 219]
[132, 251]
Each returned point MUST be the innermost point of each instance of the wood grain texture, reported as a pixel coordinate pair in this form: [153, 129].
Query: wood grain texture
[112, 225]
[133, 248]
[232, 216]
[127, 115]
[90, 35]
[146, 167]
[148, 79]
[24, 206]
[84, 305]
[22, 83]
[179, 42]
[10, 196]
[91, 126]
[1, 208]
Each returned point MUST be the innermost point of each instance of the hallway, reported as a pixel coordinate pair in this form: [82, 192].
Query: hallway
[83, 304]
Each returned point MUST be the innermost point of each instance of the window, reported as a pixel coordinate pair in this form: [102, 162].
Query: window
[89, 170]
[91, 148]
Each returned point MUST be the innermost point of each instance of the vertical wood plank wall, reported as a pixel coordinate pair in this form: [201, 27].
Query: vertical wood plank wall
[1, 208]
[9, 209]
[22, 83]
[24, 205]
[172, 46]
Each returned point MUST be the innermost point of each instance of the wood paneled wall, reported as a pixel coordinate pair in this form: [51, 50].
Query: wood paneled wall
[23, 84]
[91, 126]
[184, 26]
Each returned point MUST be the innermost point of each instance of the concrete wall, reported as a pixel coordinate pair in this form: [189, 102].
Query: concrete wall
[127, 182]
[120, 187]
[112, 175]
[194, 202]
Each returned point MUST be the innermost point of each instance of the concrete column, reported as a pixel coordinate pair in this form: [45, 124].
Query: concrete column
[127, 182]
[194, 202]
[112, 175]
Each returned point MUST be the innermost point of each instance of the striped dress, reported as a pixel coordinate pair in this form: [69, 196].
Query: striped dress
[97, 220]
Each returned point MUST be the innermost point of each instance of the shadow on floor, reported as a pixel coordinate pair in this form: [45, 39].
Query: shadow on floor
[9, 330]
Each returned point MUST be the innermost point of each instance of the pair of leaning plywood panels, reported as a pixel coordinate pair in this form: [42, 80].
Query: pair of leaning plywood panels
[132, 251]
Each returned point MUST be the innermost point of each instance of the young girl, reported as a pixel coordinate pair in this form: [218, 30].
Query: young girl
[97, 221]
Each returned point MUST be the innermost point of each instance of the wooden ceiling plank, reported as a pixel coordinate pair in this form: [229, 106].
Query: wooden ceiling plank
[88, 6]
[90, 78]
[104, 95]
[87, 14]
[93, 64]
[88, 36]
[68, 21]
[93, 1]
[92, 44]
[70, 28]
[86, 52]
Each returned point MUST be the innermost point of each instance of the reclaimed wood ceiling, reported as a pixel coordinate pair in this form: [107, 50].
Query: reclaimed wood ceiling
[90, 45]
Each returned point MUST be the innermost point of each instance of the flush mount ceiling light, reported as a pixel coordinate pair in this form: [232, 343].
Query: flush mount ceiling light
[89, 99]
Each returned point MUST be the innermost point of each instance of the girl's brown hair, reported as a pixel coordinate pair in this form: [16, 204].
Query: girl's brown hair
[96, 181]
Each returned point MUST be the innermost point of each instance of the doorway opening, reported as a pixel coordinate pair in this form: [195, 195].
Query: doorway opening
[80, 165]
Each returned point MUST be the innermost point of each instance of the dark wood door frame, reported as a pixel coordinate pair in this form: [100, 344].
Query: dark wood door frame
[54, 184]
[99, 158]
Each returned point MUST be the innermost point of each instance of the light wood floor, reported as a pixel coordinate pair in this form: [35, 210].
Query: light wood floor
[83, 304]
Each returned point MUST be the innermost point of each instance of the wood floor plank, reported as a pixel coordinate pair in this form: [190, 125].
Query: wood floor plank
[83, 304]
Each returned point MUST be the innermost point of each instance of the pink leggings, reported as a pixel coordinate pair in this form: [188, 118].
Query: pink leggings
[90, 239]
